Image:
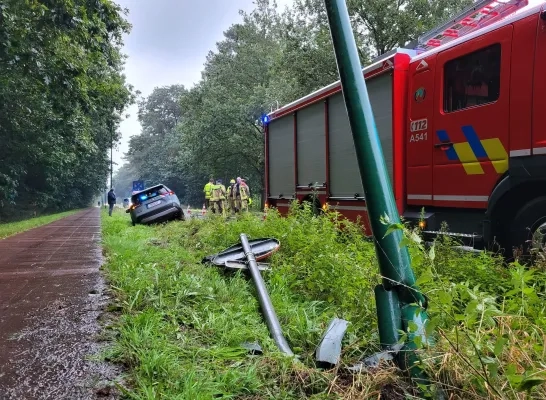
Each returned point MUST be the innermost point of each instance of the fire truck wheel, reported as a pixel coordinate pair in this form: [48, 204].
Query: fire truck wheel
[528, 228]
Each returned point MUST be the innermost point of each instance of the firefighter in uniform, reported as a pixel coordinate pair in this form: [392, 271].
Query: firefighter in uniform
[229, 196]
[208, 192]
[249, 202]
[241, 195]
[218, 197]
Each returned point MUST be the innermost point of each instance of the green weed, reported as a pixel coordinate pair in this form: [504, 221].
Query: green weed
[488, 319]
[181, 323]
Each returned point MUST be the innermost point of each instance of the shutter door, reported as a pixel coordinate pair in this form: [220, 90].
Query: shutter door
[311, 145]
[345, 178]
[380, 93]
[344, 174]
[281, 157]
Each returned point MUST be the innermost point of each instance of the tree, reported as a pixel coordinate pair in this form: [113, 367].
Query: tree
[123, 180]
[153, 154]
[221, 114]
[62, 95]
[386, 24]
[307, 48]
[268, 58]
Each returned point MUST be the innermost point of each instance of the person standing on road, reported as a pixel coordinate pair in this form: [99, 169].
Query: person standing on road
[218, 197]
[111, 201]
[208, 193]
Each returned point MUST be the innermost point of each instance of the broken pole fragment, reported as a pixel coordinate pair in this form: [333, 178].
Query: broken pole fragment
[253, 348]
[329, 349]
[264, 299]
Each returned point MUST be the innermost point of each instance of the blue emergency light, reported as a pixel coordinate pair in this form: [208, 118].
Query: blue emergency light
[265, 119]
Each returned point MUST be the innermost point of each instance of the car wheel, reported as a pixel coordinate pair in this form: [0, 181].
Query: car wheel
[181, 216]
[528, 228]
[133, 222]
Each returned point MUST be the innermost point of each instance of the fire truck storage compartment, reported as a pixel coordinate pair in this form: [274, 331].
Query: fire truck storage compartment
[345, 179]
[311, 141]
[281, 157]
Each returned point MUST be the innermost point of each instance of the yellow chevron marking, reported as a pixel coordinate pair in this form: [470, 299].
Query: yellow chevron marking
[468, 159]
[496, 154]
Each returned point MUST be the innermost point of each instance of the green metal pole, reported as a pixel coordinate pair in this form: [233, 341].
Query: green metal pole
[394, 262]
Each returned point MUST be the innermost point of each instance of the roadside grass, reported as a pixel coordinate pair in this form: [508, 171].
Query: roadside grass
[13, 228]
[180, 323]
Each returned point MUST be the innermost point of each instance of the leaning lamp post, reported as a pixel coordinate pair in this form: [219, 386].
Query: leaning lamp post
[400, 304]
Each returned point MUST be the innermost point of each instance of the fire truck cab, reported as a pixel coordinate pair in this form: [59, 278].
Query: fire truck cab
[460, 123]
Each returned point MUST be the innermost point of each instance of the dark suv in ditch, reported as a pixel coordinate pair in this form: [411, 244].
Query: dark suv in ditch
[155, 204]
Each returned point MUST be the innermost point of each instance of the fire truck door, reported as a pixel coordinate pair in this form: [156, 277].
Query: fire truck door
[471, 119]
[418, 134]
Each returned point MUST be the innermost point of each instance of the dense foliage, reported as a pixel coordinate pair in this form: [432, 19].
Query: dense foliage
[270, 58]
[181, 323]
[62, 96]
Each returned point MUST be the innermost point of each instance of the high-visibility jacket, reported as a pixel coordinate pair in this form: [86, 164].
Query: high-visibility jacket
[244, 191]
[229, 192]
[218, 192]
[208, 190]
[241, 190]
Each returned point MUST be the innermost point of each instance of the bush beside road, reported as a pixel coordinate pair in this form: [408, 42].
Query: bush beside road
[180, 324]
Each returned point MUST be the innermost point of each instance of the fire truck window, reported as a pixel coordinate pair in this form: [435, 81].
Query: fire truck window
[473, 79]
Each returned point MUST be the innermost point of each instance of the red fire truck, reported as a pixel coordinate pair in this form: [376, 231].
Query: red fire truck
[459, 119]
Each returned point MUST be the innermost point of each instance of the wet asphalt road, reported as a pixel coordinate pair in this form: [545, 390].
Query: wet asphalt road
[51, 296]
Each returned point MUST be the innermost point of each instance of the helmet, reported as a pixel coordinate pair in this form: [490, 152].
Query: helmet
[232, 181]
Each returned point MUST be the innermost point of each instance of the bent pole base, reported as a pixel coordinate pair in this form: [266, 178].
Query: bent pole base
[394, 262]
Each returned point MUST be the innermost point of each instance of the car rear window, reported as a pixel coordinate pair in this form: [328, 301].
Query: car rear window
[149, 194]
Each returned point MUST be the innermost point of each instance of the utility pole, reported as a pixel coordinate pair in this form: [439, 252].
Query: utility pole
[400, 304]
[111, 158]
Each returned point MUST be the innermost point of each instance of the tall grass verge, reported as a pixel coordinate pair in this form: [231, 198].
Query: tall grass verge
[13, 228]
[181, 324]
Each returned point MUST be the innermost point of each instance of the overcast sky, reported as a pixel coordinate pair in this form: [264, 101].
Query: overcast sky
[168, 44]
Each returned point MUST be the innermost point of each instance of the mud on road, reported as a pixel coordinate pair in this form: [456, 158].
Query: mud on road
[51, 296]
